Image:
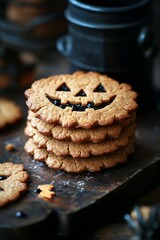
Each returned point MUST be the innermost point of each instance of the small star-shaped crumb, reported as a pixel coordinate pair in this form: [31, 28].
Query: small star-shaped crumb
[46, 191]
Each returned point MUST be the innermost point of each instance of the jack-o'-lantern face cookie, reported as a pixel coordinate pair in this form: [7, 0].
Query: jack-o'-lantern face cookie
[81, 99]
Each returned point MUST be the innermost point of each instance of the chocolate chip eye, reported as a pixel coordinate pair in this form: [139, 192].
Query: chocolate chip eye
[99, 88]
[81, 93]
[63, 87]
[1, 189]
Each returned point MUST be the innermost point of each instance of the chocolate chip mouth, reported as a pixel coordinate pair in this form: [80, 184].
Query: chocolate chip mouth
[78, 106]
[3, 177]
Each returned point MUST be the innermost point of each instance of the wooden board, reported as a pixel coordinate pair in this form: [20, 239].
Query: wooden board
[82, 201]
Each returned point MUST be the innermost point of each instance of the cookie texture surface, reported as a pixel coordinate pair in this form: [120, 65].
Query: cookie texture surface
[64, 148]
[13, 181]
[39, 154]
[10, 112]
[81, 99]
[78, 165]
[78, 135]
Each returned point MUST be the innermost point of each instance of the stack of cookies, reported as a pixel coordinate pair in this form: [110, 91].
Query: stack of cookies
[79, 122]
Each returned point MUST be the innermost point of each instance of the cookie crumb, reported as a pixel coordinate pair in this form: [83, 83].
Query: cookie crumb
[20, 214]
[46, 191]
[10, 147]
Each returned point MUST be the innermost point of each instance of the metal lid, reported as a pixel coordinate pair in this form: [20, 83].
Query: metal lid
[105, 15]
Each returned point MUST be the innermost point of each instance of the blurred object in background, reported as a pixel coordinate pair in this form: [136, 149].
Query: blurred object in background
[15, 71]
[156, 4]
[28, 33]
[144, 222]
[5, 78]
[115, 38]
[47, 14]
[32, 25]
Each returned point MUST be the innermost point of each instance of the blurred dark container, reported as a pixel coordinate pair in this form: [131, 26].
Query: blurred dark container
[115, 38]
[32, 25]
[28, 33]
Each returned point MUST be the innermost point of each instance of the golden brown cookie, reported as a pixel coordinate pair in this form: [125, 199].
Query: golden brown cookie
[13, 181]
[78, 165]
[10, 112]
[81, 99]
[40, 154]
[78, 135]
[65, 148]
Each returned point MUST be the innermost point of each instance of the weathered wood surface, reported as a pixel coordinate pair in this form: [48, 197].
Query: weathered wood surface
[80, 199]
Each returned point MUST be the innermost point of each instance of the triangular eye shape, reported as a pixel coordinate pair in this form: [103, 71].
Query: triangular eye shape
[63, 87]
[81, 93]
[99, 88]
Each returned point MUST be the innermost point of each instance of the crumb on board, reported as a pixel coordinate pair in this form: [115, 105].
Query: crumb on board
[9, 147]
[46, 191]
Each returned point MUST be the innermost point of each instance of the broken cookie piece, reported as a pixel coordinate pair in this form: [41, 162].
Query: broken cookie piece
[45, 191]
[13, 181]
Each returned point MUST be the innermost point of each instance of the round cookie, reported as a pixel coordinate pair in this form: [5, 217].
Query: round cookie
[81, 99]
[10, 112]
[65, 148]
[78, 135]
[13, 182]
[78, 165]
